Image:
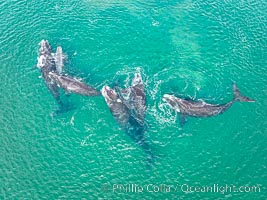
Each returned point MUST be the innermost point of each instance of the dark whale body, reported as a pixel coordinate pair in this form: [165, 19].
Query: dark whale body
[129, 121]
[135, 99]
[118, 109]
[73, 85]
[51, 66]
[201, 108]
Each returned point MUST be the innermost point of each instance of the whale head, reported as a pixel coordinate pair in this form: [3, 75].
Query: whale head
[137, 79]
[172, 101]
[109, 94]
[45, 47]
[43, 42]
[59, 50]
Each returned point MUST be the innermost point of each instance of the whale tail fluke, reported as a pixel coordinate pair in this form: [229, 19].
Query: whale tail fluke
[239, 97]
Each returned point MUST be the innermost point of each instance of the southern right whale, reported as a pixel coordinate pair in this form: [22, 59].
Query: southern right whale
[201, 108]
[134, 98]
[51, 66]
[118, 109]
[125, 118]
[73, 85]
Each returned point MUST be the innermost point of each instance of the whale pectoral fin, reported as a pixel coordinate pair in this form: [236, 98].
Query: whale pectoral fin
[182, 120]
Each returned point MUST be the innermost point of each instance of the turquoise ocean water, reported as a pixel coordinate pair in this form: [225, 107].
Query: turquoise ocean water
[192, 48]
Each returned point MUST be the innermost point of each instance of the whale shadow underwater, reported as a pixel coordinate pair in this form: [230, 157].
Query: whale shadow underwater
[199, 108]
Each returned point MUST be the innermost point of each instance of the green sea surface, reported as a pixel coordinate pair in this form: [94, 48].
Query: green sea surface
[195, 49]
